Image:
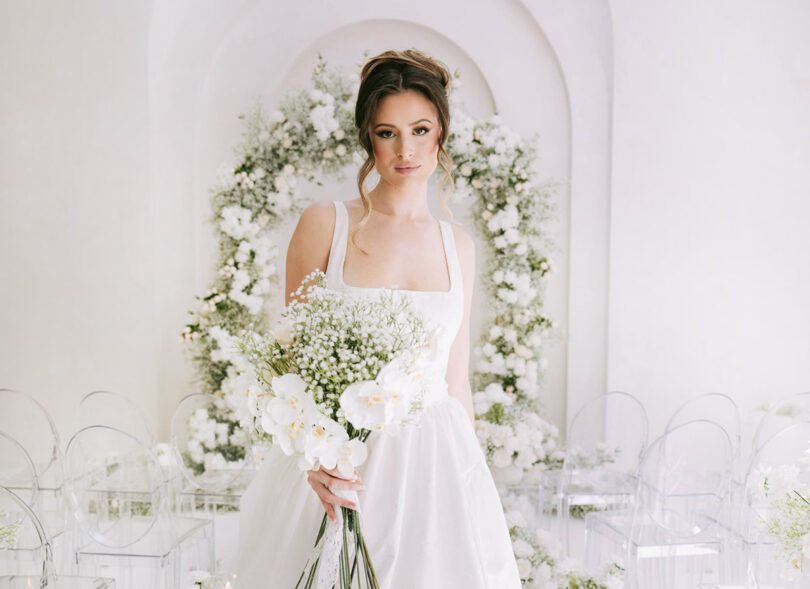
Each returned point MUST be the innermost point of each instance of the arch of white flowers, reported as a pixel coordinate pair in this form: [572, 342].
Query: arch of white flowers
[312, 136]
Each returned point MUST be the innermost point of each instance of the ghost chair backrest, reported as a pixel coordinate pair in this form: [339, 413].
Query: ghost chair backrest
[114, 410]
[25, 419]
[716, 407]
[777, 484]
[780, 466]
[784, 413]
[684, 478]
[208, 443]
[114, 484]
[595, 424]
[17, 470]
[23, 540]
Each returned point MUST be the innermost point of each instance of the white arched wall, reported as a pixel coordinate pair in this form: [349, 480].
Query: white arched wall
[529, 63]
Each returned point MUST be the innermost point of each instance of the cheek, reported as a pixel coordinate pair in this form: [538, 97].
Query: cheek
[432, 146]
[379, 148]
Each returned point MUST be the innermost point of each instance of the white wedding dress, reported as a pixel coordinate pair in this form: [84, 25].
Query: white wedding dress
[430, 514]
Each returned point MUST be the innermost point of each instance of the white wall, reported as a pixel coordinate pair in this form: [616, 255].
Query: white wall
[710, 203]
[77, 257]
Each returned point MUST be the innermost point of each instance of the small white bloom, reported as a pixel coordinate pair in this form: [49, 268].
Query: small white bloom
[524, 568]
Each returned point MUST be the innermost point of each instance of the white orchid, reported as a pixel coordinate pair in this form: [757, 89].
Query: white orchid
[380, 403]
[349, 456]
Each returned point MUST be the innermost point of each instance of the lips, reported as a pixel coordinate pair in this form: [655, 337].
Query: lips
[408, 167]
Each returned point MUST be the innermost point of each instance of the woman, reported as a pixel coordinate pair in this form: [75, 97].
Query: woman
[430, 512]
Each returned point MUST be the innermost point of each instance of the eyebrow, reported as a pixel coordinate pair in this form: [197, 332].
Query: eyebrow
[412, 124]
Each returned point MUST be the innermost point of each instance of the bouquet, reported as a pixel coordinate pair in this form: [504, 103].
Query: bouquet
[336, 368]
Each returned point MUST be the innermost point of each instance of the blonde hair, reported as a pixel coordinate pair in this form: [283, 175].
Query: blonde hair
[392, 72]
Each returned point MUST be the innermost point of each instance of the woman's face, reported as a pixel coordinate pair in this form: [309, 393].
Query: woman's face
[405, 138]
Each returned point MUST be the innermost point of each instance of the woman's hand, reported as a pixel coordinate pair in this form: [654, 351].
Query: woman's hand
[320, 480]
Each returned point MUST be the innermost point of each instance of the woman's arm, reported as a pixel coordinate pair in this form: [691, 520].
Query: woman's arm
[458, 364]
[309, 245]
[309, 249]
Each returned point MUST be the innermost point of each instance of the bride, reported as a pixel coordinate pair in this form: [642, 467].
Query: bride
[430, 512]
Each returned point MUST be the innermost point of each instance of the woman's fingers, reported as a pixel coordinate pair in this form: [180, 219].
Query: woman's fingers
[330, 510]
[326, 495]
[337, 474]
[320, 483]
[335, 482]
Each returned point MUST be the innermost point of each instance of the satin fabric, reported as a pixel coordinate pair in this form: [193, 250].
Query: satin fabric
[431, 514]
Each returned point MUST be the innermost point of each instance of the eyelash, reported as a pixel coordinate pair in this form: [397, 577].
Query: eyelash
[417, 129]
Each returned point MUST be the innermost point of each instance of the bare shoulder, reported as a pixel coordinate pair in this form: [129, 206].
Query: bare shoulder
[315, 227]
[318, 216]
[310, 243]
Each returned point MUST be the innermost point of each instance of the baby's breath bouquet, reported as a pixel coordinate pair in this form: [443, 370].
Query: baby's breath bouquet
[335, 369]
[782, 501]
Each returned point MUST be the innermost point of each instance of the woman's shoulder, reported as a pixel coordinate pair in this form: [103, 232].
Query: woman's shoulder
[318, 212]
[314, 228]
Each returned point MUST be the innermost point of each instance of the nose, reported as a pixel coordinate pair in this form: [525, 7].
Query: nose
[405, 150]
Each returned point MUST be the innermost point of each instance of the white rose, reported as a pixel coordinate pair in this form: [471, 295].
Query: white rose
[524, 568]
[522, 548]
[502, 458]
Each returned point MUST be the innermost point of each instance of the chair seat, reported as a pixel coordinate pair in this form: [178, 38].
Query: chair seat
[598, 488]
[26, 581]
[153, 544]
[650, 540]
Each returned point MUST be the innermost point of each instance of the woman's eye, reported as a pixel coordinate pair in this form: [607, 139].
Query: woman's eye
[382, 133]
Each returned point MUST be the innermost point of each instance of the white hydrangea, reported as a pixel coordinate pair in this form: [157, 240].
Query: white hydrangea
[237, 223]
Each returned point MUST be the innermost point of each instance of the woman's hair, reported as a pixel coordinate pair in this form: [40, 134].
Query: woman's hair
[393, 72]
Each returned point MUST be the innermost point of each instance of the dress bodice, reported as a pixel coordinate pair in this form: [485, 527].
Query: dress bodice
[438, 308]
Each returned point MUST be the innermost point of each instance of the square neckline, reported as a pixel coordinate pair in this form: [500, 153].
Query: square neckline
[442, 230]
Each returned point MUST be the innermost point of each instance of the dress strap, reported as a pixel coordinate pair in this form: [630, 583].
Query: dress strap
[453, 263]
[337, 252]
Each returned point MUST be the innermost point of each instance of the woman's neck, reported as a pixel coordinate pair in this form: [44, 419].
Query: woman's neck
[403, 204]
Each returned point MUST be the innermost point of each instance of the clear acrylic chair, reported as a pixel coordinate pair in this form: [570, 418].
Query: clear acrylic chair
[117, 491]
[23, 418]
[21, 550]
[60, 582]
[210, 488]
[595, 475]
[114, 410]
[780, 468]
[22, 531]
[18, 475]
[720, 409]
[669, 538]
[784, 413]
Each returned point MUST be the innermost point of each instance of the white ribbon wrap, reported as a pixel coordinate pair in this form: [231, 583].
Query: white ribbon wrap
[330, 545]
